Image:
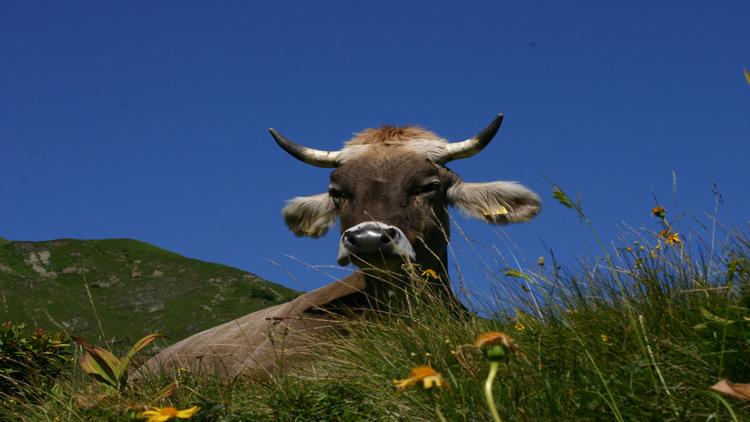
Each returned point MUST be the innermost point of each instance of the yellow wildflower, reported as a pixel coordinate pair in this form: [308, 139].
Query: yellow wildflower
[493, 337]
[430, 273]
[673, 239]
[163, 414]
[519, 326]
[659, 211]
[670, 238]
[425, 375]
[494, 344]
[605, 338]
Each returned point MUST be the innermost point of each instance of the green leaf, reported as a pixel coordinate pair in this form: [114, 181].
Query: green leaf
[97, 363]
[140, 344]
[517, 274]
[715, 319]
[166, 391]
[562, 197]
[100, 363]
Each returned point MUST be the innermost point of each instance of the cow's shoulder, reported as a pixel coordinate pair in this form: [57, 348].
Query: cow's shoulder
[341, 292]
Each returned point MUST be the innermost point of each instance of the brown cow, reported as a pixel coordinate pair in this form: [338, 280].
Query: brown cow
[390, 191]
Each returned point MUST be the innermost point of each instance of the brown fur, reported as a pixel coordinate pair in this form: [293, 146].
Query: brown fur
[390, 135]
[387, 175]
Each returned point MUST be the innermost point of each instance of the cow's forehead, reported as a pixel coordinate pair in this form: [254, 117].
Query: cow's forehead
[392, 163]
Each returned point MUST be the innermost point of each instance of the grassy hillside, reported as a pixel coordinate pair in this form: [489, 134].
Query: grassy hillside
[134, 288]
[639, 334]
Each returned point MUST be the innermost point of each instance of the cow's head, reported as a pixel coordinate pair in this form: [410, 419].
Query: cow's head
[390, 190]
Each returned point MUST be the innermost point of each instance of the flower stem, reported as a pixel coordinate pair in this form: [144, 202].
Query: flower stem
[439, 413]
[488, 391]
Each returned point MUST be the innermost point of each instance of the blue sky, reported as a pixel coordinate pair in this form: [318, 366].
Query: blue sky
[149, 120]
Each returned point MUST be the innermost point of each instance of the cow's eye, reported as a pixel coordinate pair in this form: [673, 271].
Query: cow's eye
[429, 188]
[337, 195]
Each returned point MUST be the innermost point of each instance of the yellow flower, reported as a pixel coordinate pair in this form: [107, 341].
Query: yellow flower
[670, 238]
[163, 414]
[605, 338]
[425, 375]
[429, 273]
[673, 239]
[494, 344]
[520, 326]
[659, 211]
[493, 337]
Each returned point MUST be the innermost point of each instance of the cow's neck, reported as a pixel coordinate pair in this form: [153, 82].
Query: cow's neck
[390, 287]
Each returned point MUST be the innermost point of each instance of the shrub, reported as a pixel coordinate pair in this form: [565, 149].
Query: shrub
[30, 361]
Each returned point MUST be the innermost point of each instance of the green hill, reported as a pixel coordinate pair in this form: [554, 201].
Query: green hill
[135, 288]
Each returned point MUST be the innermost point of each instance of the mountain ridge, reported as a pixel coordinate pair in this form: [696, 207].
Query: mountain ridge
[120, 289]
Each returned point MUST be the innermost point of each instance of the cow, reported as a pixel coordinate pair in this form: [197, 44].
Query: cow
[390, 191]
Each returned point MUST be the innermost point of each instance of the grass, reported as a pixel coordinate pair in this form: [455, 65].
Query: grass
[118, 290]
[640, 334]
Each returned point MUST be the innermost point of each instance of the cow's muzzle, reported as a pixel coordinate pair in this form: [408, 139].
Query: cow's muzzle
[374, 243]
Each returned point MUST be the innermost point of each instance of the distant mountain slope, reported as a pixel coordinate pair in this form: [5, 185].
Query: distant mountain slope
[136, 288]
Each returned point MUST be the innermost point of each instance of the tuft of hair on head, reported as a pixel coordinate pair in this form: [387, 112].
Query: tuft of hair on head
[391, 134]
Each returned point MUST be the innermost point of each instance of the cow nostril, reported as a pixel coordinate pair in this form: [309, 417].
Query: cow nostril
[388, 235]
[351, 238]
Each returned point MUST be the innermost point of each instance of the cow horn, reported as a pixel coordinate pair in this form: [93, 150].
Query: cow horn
[315, 157]
[471, 146]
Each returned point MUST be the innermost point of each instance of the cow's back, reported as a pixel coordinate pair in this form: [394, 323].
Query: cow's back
[261, 343]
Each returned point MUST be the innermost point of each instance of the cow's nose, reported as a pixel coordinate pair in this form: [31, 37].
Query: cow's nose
[371, 238]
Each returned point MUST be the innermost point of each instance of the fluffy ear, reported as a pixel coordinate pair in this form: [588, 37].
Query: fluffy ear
[495, 202]
[310, 215]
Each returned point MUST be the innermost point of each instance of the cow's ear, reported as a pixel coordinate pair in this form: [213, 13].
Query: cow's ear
[310, 215]
[495, 202]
